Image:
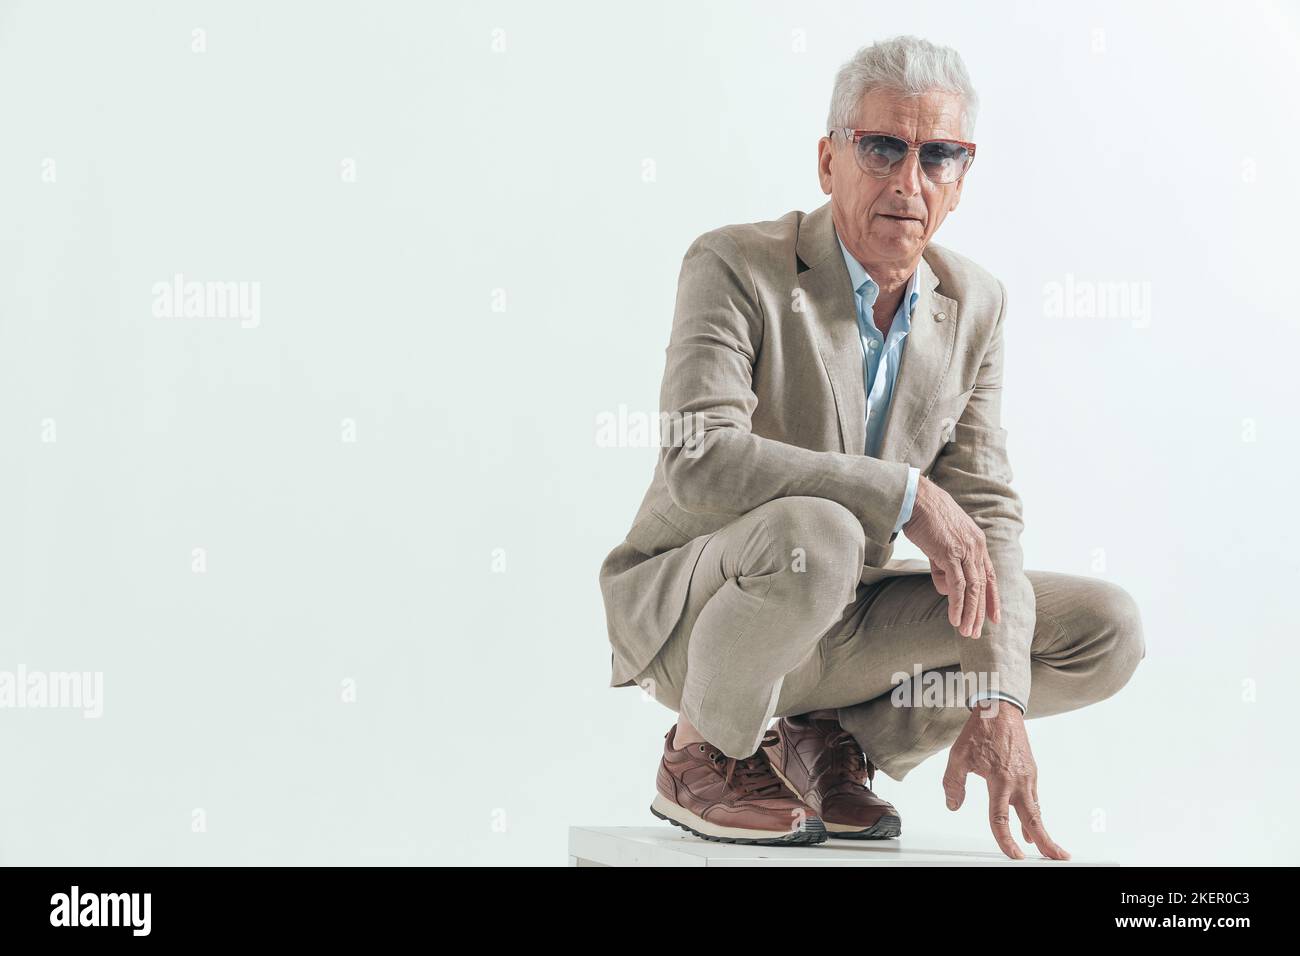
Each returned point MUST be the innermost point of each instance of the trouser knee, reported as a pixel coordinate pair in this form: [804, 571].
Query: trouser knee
[815, 549]
[1115, 643]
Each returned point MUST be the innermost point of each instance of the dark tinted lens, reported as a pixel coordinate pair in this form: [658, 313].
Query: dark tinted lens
[880, 152]
[943, 162]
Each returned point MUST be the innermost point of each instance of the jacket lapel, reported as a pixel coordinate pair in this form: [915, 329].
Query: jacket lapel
[927, 356]
[828, 301]
[830, 307]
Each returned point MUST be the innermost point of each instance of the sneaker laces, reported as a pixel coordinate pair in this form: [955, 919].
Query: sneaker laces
[752, 775]
[847, 756]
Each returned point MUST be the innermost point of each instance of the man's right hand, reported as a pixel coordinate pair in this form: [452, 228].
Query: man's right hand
[960, 565]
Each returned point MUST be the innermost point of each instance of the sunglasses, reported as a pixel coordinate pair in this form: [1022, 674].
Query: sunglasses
[942, 160]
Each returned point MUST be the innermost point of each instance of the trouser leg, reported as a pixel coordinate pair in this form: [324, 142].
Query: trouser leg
[1086, 645]
[766, 588]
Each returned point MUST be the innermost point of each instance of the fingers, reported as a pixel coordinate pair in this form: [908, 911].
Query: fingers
[940, 580]
[956, 592]
[972, 604]
[994, 595]
[954, 783]
[1031, 821]
[965, 574]
[981, 604]
[1000, 823]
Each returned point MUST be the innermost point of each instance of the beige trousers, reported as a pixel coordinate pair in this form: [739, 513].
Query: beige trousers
[777, 622]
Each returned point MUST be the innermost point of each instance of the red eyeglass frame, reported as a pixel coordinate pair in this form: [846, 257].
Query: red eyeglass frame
[853, 135]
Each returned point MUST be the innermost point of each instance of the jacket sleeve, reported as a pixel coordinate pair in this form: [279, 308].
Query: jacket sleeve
[973, 467]
[719, 465]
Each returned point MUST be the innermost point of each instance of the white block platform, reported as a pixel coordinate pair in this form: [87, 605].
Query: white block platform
[668, 846]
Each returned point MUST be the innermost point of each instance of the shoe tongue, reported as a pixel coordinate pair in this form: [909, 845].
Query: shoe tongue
[756, 761]
[762, 781]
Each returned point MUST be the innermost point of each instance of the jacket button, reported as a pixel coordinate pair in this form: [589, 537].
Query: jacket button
[940, 316]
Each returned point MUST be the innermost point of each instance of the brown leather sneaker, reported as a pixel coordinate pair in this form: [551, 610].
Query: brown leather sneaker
[721, 798]
[823, 764]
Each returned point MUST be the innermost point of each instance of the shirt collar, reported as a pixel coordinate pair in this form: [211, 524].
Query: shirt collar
[859, 277]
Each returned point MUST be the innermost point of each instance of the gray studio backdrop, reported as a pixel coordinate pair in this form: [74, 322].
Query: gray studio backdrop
[310, 314]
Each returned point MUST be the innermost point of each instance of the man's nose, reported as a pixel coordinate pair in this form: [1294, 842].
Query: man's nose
[906, 177]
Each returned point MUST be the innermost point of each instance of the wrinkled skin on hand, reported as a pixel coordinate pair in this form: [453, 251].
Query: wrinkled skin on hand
[960, 566]
[995, 746]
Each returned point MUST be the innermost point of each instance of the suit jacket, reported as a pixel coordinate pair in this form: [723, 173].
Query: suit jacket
[766, 361]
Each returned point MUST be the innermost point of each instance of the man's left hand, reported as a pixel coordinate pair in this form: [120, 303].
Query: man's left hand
[995, 746]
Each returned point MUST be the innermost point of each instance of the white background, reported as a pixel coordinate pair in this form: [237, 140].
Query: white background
[1160, 455]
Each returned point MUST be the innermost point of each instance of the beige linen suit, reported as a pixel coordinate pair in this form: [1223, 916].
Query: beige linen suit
[757, 578]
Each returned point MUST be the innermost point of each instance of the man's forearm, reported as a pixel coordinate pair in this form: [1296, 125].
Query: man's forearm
[731, 471]
[999, 660]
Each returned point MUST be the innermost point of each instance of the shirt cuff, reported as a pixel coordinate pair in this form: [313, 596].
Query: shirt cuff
[909, 498]
[994, 695]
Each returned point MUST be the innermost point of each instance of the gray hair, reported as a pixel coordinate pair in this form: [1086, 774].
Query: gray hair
[907, 65]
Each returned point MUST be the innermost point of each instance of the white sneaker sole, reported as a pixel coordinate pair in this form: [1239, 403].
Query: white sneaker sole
[812, 831]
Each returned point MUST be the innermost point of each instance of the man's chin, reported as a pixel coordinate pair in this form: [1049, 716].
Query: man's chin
[892, 248]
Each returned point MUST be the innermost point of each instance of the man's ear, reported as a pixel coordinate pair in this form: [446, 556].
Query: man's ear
[824, 155]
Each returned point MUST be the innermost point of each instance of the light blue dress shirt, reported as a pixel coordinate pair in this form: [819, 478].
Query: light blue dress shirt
[881, 358]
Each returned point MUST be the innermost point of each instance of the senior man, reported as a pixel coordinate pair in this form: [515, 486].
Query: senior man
[839, 378]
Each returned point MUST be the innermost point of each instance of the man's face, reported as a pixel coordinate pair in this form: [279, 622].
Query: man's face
[888, 221]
